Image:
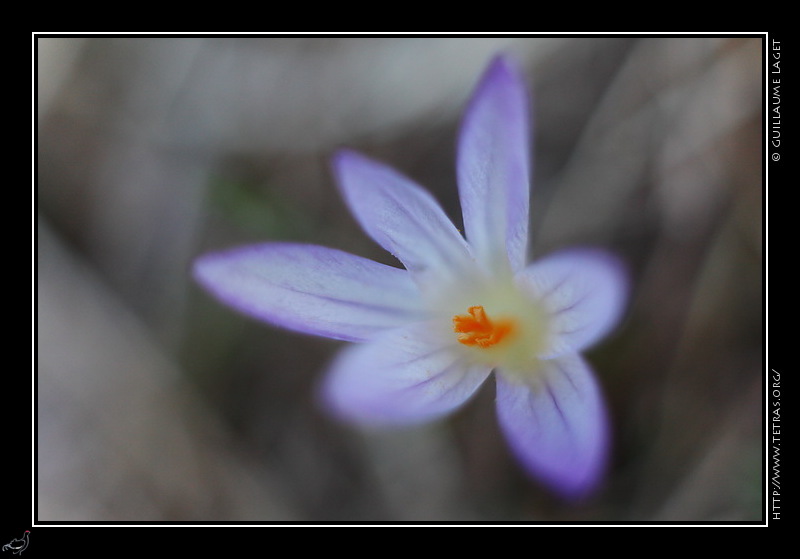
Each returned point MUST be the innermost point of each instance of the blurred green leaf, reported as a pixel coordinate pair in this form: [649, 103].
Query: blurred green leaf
[259, 210]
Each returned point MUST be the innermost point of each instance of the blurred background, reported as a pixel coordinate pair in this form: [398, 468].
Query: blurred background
[157, 403]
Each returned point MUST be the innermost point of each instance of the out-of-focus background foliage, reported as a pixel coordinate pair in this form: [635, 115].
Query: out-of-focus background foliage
[157, 403]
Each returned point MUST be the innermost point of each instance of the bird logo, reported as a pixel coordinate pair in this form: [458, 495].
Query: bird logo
[17, 545]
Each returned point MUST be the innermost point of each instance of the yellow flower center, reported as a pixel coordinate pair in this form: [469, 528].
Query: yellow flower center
[477, 329]
[508, 328]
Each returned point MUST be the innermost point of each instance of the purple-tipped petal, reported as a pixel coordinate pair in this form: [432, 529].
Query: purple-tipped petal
[311, 289]
[493, 167]
[402, 217]
[557, 427]
[584, 290]
[405, 376]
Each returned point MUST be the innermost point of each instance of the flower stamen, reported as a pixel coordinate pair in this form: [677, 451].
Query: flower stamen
[476, 329]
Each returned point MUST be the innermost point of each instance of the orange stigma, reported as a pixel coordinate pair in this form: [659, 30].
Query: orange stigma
[476, 329]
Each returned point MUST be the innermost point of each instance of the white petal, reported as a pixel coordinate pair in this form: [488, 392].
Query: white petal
[493, 168]
[311, 289]
[405, 376]
[402, 217]
[584, 290]
[557, 427]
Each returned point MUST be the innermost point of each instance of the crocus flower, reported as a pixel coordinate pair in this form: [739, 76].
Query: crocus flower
[430, 334]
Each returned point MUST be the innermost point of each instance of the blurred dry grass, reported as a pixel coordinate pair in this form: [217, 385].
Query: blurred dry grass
[156, 403]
